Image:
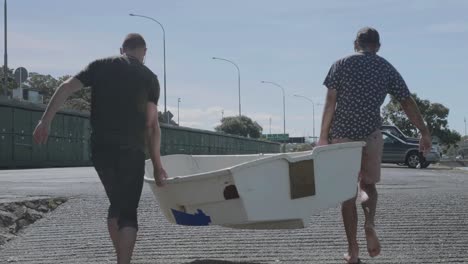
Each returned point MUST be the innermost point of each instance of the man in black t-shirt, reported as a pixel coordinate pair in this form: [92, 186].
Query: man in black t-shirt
[124, 119]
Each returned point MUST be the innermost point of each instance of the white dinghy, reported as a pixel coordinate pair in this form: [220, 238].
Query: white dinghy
[261, 191]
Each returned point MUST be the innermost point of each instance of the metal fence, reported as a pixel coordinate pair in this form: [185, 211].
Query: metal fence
[68, 144]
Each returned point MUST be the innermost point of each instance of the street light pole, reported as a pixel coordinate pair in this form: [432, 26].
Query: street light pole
[164, 59]
[5, 65]
[313, 112]
[465, 127]
[238, 79]
[284, 104]
[270, 125]
[178, 106]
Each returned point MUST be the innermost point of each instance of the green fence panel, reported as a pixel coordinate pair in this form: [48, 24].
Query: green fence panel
[67, 150]
[78, 151]
[86, 128]
[232, 146]
[22, 148]
[6, 120]
[75, 151]
[86, 151]
[35, 117]
[56, 128]
[68, 126]
[79, 127]
[54, 150]
[186, 144]
[6, 150]
[177, 143]
[39, 154]
[73, 126]
[22, 121]
[203, 144]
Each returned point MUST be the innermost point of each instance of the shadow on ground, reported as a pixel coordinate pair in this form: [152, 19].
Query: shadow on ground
[214, 261]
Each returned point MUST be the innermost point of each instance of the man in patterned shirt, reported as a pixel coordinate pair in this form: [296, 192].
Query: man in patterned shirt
[357, 87]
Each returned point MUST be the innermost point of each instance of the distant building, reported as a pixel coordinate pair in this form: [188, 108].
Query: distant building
[296, 140]
[27, 94]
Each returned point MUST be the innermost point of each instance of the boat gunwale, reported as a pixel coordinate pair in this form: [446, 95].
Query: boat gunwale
[248, 164]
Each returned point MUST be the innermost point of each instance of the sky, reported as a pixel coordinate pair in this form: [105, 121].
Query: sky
[292, 43]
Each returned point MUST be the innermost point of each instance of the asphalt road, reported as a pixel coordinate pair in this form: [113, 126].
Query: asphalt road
[422, 218]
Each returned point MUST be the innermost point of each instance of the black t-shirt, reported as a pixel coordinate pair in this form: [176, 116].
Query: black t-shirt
[121, 87]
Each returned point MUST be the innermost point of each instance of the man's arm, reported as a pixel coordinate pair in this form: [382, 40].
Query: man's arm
[153, 139]
[414, 115]
[66, 89]
[328, 114]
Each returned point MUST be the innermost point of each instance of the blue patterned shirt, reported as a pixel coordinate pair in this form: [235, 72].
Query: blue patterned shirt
[362, 82]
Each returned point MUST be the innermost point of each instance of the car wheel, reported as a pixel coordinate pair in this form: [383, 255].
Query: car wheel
[412, 160]
[425, 164]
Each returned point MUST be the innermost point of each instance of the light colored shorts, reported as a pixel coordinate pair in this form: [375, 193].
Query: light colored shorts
[371, 157]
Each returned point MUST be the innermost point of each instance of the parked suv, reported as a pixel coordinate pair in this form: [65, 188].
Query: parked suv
[399, 151]
[398, 133]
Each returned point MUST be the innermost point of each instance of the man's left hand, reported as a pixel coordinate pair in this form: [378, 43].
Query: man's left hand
[160, 176]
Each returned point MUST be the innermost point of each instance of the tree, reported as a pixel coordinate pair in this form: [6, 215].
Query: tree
[46, 85]
[449, 137]
[80, 100]
[434, 114]
[164, 116]
[11, 83]
[240, 125]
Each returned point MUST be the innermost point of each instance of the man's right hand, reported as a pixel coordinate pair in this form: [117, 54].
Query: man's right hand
[41, 133]
[425, 143]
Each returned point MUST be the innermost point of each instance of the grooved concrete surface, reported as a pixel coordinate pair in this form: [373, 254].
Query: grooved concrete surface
[422, 218]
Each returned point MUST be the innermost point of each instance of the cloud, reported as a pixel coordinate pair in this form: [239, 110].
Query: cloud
[449, 27]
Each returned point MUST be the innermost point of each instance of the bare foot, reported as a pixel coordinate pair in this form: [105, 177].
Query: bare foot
[373, 244]
[351, 260]
[353, 255]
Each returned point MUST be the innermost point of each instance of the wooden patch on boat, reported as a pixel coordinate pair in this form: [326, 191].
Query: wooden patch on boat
[302, 179]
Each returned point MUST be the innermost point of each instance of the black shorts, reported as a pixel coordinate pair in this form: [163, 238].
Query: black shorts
[121, 170]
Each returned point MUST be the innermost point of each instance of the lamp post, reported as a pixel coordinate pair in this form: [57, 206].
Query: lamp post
[284, 104]
[178, 106]
[238, 78]
[5, 65]
[465, 127]
[313, 112]
[164, 59]
[270, 125]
